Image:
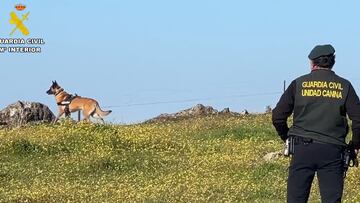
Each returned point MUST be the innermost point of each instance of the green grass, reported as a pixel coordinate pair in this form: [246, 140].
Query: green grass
[211, 159]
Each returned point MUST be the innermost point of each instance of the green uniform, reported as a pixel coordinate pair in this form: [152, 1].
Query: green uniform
[319, 102]
[319, 107]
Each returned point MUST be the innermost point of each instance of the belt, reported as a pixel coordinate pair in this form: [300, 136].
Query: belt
[306, 140]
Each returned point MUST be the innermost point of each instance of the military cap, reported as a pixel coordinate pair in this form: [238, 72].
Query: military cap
[321, 50]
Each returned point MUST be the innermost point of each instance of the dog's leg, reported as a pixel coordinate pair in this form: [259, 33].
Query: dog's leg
[102, 120]
[87, 119]
[86, 116]
[59, 115]
[97, 116]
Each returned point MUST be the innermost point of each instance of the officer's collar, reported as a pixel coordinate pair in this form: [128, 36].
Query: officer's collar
[322, 69]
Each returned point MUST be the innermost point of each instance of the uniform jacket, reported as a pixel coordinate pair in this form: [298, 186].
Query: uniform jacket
[320, 102]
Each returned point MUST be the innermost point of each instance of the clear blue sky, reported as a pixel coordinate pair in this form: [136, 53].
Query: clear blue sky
[124, 53]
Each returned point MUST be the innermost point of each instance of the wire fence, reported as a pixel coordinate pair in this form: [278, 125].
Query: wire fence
[193, 99]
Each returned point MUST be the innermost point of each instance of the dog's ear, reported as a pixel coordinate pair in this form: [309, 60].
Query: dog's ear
[55, 83]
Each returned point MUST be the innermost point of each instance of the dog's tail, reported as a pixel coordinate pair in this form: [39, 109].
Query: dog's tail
[101, 112]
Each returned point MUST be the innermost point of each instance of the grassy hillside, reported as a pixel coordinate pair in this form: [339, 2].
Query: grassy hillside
[212, 159]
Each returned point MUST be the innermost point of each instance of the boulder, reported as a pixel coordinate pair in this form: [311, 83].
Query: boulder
[268, 109]
[195, 111]
[198, 110]
[225, 111]
[22, 112]
[272, 156]
[244, 112]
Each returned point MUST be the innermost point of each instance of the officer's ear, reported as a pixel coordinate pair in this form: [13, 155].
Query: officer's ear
[312, 65]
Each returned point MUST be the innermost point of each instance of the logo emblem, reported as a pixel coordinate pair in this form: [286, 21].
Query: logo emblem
[20, 7]
[15, 20]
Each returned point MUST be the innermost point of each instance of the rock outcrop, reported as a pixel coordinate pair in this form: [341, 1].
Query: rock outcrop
[273, 156]
[196, 111]
[21, 113]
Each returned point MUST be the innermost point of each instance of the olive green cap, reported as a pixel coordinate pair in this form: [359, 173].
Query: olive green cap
[321, 50]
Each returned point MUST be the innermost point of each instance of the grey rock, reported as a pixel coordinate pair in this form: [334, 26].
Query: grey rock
[244, 112]
[272, 155]
[225, 111]
[196, 111]
[22, 112]
[268, 109]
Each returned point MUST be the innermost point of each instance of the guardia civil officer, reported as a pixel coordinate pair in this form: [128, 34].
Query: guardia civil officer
[320, 102]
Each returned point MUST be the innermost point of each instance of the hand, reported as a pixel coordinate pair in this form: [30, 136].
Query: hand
[284, 137]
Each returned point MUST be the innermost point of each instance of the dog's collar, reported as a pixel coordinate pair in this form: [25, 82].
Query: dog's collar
[61, 90]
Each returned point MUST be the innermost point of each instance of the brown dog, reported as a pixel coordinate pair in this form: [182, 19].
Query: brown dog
[68, 103]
